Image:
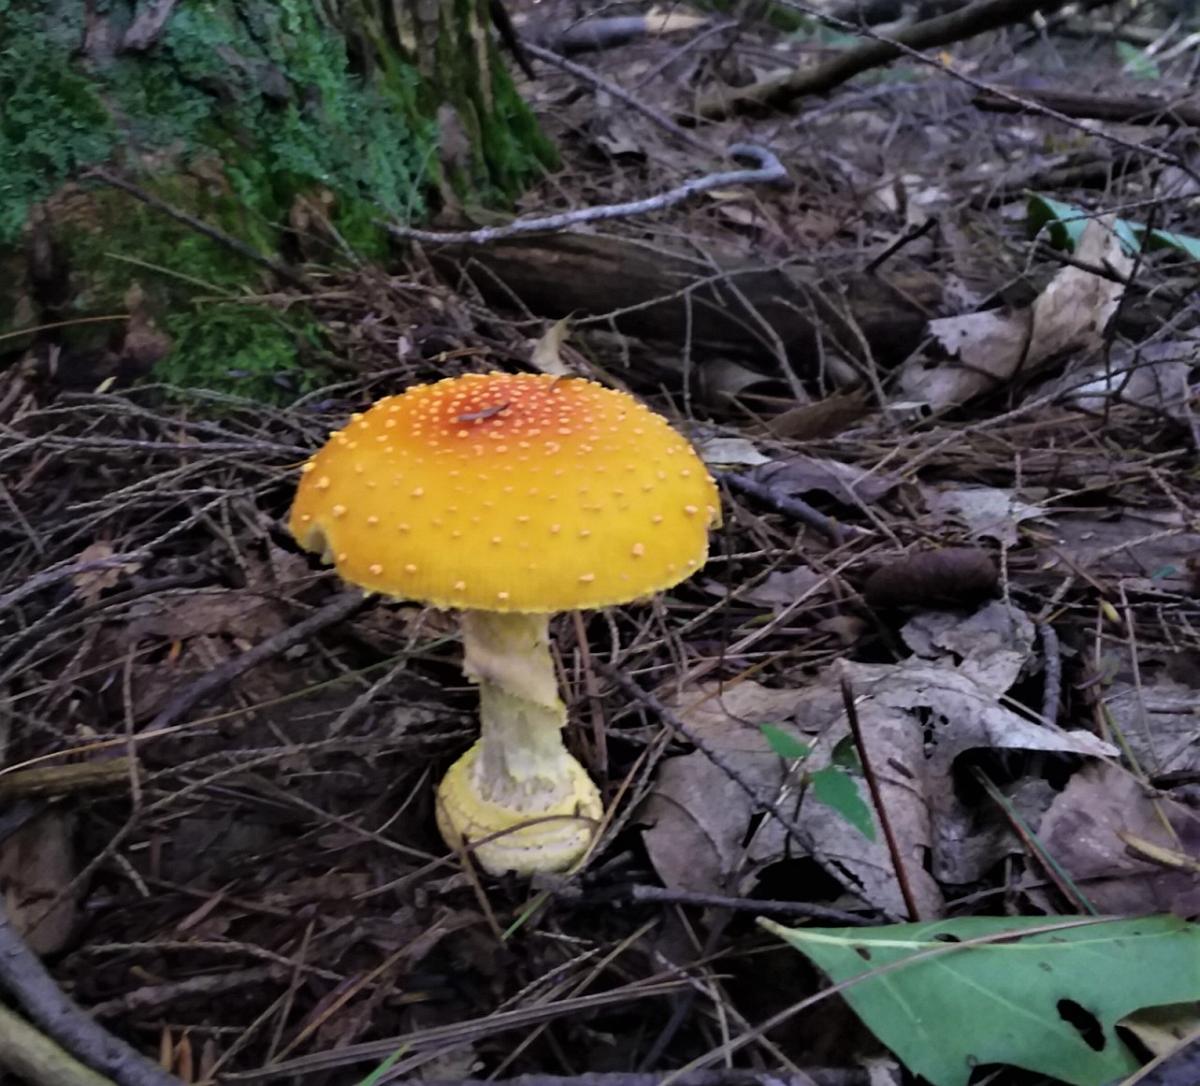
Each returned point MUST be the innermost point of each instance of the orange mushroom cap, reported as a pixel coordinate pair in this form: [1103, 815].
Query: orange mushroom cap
[508, 492]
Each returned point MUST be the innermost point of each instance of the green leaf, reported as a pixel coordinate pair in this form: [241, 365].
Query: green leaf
[783, 743]
[1064, 224]
[845, 755]
[1136, 62]
[837, 789]
[1004, 1002]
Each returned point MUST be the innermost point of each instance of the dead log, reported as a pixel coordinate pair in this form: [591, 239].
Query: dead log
[732, 311]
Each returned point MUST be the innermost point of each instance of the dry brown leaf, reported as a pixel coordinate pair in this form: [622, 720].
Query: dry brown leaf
[1082, 832]
[91, 583]
[846, 483]
[1158, 716]
[547, 351]
[730, 452]
[37, 863]
[231, 612]
[825, 418]
[994, 346]
[672, 20]
[985, 511]
[919, 715]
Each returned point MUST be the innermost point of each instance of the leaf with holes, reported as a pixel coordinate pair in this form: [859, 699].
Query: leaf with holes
[1046, 1001]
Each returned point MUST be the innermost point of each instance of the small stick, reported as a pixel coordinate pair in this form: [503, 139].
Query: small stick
[906, 891]
[768, 169]
[723, 1077]
[1051, 673]
[59, 780]
[39, 1061]
[220, 677]
[640, 893]
[24, 977]
[793, 507]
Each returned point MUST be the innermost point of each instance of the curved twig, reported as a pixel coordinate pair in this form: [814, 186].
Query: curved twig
[769, 169]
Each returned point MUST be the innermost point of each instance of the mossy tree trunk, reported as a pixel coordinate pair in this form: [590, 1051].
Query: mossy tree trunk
[290, 125]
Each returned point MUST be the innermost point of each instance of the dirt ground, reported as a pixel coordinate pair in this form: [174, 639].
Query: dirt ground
[237, 868]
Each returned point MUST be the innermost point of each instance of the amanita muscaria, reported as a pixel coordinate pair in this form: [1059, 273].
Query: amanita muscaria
[509, 497]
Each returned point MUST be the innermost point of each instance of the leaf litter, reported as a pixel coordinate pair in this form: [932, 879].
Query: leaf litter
[268, 882]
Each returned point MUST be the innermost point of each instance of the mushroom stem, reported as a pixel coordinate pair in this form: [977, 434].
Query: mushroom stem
[518, 781]
[521, 749]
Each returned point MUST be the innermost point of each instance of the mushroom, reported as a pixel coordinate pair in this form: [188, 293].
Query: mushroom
[509, 497]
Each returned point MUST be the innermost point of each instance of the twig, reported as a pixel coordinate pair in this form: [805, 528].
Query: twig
[793, 507]
[769, 169]
[618, 92]
[780, 90]
[1135, 108]
[238, 246]
[59, 780]
[640, 893]
[220, 677]
[1051, 673]
[24, 977]
[727, 1077]
[39, 1061]
[906, 891]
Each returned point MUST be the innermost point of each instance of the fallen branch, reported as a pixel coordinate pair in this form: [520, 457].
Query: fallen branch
[61, 780]
[1133, 108]
[37, 1060]
[769, 169]
[779, 91]
[24, 977]
[727, 1077]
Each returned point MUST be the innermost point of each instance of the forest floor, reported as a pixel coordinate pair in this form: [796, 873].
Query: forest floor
[984, 519]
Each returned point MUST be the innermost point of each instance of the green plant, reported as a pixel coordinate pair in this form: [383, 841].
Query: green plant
[833, 785]
[950, 996]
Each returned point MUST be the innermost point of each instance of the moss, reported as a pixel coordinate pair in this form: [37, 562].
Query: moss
[53, 121]
[248, 115]
[246, 350]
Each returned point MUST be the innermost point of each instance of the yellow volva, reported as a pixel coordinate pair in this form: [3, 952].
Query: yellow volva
[508, 497]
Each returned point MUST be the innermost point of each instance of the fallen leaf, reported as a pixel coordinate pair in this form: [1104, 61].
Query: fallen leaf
[1158, 716]
[985, 511]
[919, 715]
[1155, 376]
[993, 346]
[804, 474]
[730, 452]
[824, 418]
[547, 351]
[1082, 833]
[91, 583]
[672, 20]
[783, 586]
[37, 863]
[1050, 999]
[1148, 549]
[232, 612]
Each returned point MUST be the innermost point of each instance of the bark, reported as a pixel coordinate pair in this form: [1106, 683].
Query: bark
[287, 128]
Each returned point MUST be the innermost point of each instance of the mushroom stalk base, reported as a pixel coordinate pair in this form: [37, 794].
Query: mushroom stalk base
[517, 796]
